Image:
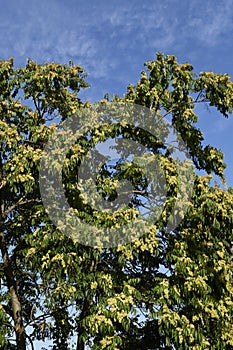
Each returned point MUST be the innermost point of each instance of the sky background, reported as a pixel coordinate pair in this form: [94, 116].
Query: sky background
[113, 39]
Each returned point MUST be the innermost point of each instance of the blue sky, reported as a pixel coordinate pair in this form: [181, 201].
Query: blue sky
[112, 40]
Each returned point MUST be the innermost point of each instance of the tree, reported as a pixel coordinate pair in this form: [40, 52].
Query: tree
[168, 288]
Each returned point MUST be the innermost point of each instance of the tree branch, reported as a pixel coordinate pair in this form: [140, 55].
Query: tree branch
[19, 203]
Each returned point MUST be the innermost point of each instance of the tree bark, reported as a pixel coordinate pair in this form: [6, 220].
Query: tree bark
[20, 334]
[14, 298]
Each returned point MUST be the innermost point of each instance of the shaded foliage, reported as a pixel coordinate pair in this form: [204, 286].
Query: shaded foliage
[164, 290]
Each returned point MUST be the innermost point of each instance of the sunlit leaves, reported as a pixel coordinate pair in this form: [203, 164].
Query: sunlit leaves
[165, 289]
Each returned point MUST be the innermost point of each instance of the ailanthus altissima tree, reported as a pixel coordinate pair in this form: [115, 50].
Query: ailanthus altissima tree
[167, 289]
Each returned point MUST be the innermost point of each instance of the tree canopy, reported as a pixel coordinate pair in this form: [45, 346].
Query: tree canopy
[169, 287]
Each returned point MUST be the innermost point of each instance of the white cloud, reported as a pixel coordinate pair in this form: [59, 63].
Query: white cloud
[211, 19]
[108, 38]
[100, 37]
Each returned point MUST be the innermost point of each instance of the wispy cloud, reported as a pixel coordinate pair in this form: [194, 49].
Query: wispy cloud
[209, 20]
[109, 38]
[37, 30]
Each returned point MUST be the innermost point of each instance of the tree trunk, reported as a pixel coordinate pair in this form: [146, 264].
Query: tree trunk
[14, 298]
[20, 334]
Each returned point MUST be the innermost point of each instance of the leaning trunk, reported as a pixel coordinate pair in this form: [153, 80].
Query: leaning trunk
[20, 334]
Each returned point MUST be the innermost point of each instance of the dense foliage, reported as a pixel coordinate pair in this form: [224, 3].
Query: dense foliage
[168, 289]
